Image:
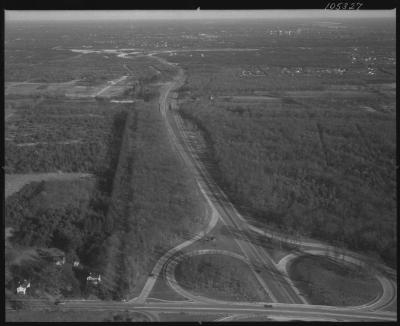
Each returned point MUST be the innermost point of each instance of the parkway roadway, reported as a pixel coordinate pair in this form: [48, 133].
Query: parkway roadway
[274, 311]
[285, 302]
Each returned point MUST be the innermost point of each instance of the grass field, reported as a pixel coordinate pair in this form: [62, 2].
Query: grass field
[325, 282]
[218, 277]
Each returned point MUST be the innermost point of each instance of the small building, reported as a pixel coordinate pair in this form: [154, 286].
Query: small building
[94, 278]
[60, 260]
[21, 289]
[76, 263]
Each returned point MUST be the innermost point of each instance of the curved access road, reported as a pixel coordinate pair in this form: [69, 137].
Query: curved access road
[277, 311]
[385, 275]
[174, 284]
[168, 256]
[279, 288]
[275, 286]
[177, 82]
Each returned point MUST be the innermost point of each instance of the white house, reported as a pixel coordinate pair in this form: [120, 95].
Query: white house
[60, 261]
[21, 289]
[94, 278]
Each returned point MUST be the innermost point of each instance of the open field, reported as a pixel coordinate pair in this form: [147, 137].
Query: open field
[72, 89]
[218, 277]
[326, 282]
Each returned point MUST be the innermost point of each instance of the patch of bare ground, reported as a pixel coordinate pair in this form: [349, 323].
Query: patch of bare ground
[14, 182]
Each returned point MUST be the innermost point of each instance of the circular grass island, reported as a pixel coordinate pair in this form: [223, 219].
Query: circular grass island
[219, 277]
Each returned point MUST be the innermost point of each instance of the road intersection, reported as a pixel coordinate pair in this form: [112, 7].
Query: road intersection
[273, 278]
[283, 299]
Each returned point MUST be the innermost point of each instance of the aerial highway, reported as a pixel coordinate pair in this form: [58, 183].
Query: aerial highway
[288, 311]
[283, 301]
[277, 290]
[275, 282]
[111, 84]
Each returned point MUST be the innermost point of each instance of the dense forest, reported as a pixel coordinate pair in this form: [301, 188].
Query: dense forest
[141, 203]
[68, 217]
[318, 171]
[62, 135]
[55, 218]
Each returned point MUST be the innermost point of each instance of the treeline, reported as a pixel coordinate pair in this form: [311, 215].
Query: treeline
[70, 216]
[154, 205]
[323, 173]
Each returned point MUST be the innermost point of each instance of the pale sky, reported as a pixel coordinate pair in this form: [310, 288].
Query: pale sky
[38, 15]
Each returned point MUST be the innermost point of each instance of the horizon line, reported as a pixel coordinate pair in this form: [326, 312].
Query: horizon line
[93, 15]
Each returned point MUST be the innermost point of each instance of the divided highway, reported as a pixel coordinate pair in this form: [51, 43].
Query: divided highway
[296, 312]
[276, 284]
[284, 300]
[264, 269]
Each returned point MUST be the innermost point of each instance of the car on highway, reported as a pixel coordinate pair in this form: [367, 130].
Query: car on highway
[268, 306]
